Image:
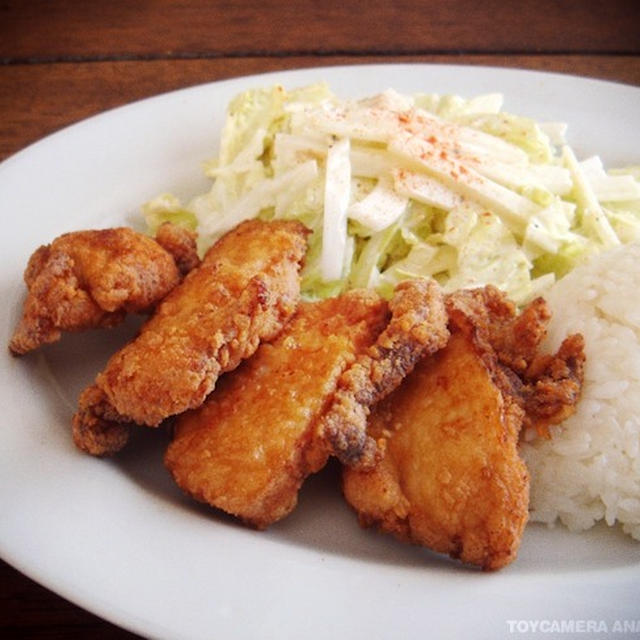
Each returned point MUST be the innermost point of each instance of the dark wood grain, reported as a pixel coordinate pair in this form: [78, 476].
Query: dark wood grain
[30, 611]
[68, 29]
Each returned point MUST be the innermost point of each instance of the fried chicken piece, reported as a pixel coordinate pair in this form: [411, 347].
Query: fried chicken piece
[88, 279]
[546, 386]
[244, 291]
[552, 385]
[95, 426]
[248, 449]
[181, 244]
[514, 337]
[418, 327]
[451, 478]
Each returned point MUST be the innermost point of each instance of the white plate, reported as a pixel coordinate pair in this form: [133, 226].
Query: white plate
[116, 537]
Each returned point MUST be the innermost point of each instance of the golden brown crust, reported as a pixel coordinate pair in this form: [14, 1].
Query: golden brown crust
[248, 449]
[88, 279]
[246, 288]
[451, 478]
[552, 385]
[418, 326]
[181, 244]
[93, 430]
[244, 291]
[546, 386]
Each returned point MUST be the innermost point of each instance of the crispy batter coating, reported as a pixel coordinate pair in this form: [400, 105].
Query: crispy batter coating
[552, 385]
[244, 291]
[181, 244]
[248, 449]
[514, 337]
[95, 427]
[546, 386]
[89, 279]
[451, 478]
[418, 327]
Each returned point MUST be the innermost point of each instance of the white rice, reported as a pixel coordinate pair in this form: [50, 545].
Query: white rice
[590, 469]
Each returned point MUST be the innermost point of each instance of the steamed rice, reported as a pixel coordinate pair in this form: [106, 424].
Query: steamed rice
[590, 469]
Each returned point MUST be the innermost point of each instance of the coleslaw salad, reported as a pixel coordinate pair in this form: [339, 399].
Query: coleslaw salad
[398, 186]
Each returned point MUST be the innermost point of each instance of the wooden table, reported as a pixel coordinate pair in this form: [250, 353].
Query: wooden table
[61, 61]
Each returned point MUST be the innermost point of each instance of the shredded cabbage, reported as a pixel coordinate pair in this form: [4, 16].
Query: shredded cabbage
[398, 186]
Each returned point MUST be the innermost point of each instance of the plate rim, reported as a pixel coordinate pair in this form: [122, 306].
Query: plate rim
[124, 618]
